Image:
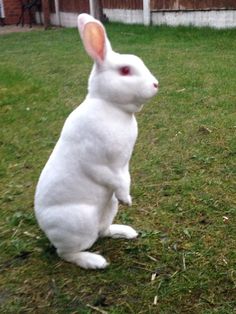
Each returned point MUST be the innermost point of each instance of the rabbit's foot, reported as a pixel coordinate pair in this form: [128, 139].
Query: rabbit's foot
[120, 231]
[86, 260]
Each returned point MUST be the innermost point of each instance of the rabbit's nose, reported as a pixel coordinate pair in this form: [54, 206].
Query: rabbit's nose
[156, 85]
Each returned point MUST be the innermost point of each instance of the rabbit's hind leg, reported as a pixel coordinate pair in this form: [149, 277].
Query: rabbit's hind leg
[73, 230]
[85, 260]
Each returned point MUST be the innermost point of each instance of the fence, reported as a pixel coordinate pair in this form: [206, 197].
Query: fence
[185, 5]
[155, 5]
[216, 13]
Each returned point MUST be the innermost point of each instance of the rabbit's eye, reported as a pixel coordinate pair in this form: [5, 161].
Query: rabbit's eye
[125, 70]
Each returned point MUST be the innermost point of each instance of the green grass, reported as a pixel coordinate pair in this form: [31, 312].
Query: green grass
[183, 176]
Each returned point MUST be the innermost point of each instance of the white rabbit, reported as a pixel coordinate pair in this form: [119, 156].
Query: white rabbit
[87, 173]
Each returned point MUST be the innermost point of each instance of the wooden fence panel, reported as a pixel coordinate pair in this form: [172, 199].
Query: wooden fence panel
[224, 4]
[165, 4]
[192, 4]
[78, 6]
[74, 6]
[119, 4]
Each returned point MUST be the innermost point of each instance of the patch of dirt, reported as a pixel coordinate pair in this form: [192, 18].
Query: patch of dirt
[7, 29]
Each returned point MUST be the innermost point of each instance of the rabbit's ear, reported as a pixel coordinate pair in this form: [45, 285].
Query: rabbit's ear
[94, 41]
[93, 36]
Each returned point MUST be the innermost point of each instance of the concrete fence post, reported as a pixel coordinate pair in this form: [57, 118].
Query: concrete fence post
[146, 12]
[92, 7]
[57, 9]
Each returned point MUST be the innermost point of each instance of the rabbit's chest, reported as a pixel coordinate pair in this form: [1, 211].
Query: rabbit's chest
[119, 143]
[101, 137]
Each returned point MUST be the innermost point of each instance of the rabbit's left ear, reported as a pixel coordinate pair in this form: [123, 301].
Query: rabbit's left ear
[93, 36]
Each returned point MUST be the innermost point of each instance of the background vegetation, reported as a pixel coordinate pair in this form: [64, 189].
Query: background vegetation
[183, 175]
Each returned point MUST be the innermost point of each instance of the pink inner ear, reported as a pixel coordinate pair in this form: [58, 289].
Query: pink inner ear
[94, 40]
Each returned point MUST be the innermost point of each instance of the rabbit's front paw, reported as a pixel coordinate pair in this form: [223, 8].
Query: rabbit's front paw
[121, 231]
[124, 199]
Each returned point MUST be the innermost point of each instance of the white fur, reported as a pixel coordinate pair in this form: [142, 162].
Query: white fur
[88, 171]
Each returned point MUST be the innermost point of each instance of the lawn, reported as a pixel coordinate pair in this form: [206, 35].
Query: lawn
[183, 175]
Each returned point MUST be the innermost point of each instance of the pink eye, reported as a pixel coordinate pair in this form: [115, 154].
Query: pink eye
[125, 70]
